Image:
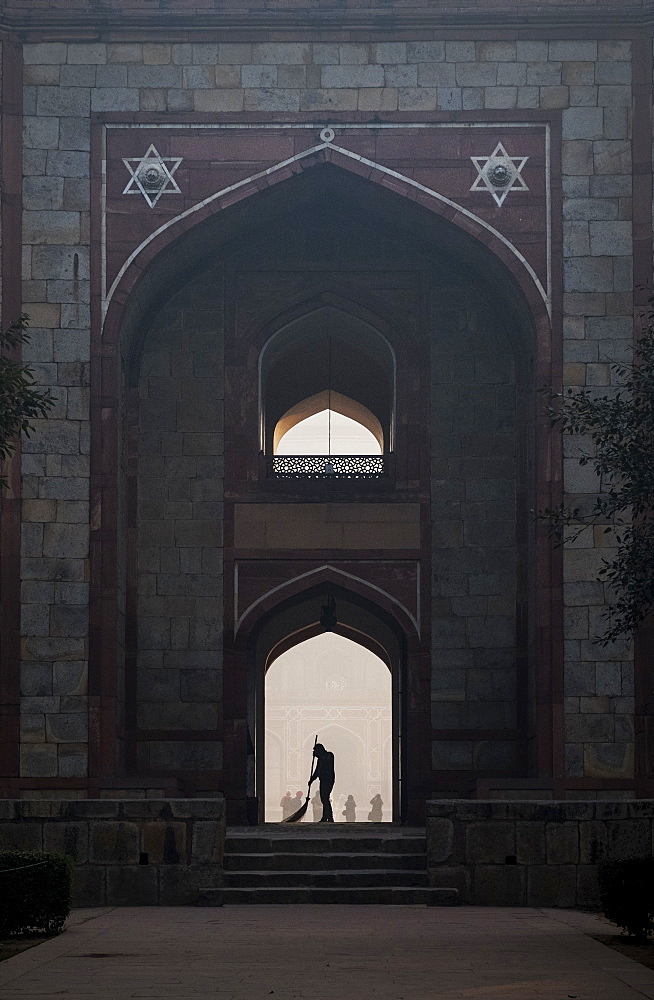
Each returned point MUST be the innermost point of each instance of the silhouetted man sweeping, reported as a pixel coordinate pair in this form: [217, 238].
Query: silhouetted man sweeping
[324, 772]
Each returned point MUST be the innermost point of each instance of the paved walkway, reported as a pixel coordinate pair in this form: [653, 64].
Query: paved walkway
[326, 953]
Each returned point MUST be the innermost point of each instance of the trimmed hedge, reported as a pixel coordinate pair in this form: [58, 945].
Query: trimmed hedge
[627, 894]
[35, 890]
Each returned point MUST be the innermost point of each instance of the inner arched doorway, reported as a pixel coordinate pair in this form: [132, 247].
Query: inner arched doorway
[347, 686]
[337, 690]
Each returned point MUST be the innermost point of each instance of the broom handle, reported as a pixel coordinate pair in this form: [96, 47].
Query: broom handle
[311, 768]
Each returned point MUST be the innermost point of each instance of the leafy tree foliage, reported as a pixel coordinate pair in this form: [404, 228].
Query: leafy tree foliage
[20, 401]
[620, 430]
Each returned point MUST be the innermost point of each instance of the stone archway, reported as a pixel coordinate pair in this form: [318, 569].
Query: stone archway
[205, 272]
[290, 620]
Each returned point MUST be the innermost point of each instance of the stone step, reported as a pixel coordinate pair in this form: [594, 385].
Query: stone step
[323, 862]
[236, 844]
[380, 896]
[352, 879]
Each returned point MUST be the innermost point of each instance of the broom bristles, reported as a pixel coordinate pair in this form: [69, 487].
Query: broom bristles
[298, 814]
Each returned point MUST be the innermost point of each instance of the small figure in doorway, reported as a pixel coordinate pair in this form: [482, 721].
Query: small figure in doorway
[324, 772]
[350, 811]
[317, 806]
[287, 805]
[375, 814]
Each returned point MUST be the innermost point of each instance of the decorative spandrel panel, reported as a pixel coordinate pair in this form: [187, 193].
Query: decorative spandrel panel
[160, 179]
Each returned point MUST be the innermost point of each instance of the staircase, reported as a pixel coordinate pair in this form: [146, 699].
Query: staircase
[340, 863]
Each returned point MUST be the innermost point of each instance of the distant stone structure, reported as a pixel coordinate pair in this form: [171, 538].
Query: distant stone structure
[216, 214]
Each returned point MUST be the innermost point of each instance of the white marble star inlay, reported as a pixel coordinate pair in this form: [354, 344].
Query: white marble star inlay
[499, 173]
[152, 175]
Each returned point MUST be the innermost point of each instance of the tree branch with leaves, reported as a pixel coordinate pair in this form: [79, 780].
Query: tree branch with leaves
[620, 429]
[21, 401]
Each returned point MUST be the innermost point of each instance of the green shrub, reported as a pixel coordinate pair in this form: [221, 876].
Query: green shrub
[627, 894]
[35, 892]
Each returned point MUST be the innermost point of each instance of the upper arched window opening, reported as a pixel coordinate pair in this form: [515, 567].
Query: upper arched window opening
[328, 424]
[327, 388]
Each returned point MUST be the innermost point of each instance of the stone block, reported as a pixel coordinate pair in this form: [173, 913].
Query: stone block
[21, 836]
[573, 51]
[41, 76]
[67, 838]
[612, 156]
[432, 75]
[40, 132]
[199, 755]
[272, 99]
[609, 760]
[500, 885]
[164, 843]
[614, 97]
[38, 761]
[153, 77]
[440, 840]
[544, 74]
[562, 841]
[354, 54]
[511, 74]
[552, 885]
[345, 77]
[77, 76]
[610, 239]
[67, 727]
[131, 885]
[615, 123]
[70, 541]
[89, 887]
[530, 843]
[592, 842]
[32, 728]
[628, 838]
[230, 53]
[577, 157]
[114, 843]
[73, 760]
[583, 123]
[63, 101]
[586, 209]
[180, 885]
[50, 227]
[36, 679]
[115, 99]
[208, 842]
[451, 755]
[469, 74]
[43, 193]
[588, 274]
[384, 52]
[489, 843]
[500, 97]
[45, 53]
[69, 620]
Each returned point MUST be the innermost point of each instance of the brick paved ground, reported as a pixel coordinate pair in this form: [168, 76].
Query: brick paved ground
[326, 953]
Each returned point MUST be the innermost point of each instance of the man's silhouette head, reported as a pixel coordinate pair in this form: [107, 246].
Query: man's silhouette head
[319, 750]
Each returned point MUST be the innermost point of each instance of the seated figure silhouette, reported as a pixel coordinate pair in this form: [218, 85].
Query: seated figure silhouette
[324, 772]
[375, 814]
[350, 811]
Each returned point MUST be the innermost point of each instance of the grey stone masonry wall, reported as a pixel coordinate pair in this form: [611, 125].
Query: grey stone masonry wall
[475, 554]
[180, 529]
[587, 80]
[108, 840]
[532, 853]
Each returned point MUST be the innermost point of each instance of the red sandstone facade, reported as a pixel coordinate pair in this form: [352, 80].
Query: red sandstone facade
[322, 169]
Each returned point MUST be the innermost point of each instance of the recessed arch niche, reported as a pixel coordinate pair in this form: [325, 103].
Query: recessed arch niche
[296, 620]
[326, 355]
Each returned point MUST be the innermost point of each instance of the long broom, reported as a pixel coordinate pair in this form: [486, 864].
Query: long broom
[300, 813]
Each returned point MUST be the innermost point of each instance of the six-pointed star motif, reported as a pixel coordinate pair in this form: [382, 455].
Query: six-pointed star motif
[499, 173]
[152, 175]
